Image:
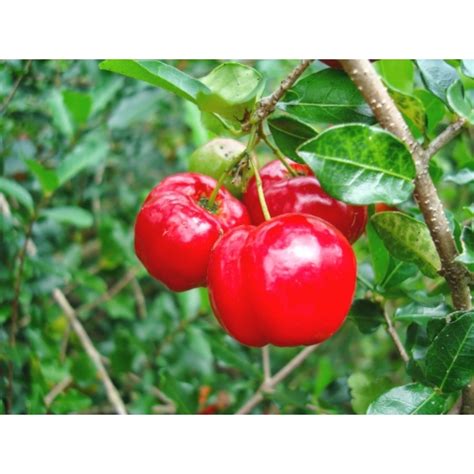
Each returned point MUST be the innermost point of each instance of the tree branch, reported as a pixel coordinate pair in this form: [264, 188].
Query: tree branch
[364, 76]
[371, 87]
[276, 379]
[396, 339]
[111, 391]
[268, 104]
[445, 136]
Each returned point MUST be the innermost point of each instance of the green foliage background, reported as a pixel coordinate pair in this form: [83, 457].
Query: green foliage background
[111, 139]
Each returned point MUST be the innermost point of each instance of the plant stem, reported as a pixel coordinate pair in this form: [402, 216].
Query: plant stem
[261, 194]
[279, 155]
[445, 136]
[268, 104]
[396, 339]
[267, 371]
[10, 97]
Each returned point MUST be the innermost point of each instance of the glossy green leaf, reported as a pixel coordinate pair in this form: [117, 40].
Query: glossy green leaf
[289, 133]
[47, 178]
[408, 240]
[378, 253]
[411, 107]
[78, 104]
[397, 73]
[420, 314]
[159, 74]
[71, 215]
[450, 357]
[467, 241]
[435, 109]
[437, 75]
[460, 101]
[365, 389]
[13, 189]
[397, 273]
[411, 399]
[467, 66]
[234, 89]
[59, 111]
[89, 151]
[359, 164]
[367, 315]
[327, 96]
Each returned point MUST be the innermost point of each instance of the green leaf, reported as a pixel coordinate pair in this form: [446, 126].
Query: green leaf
[462, 177]
[397, 273]
[467, 66]
[79, 105]
[105, 93]
[72, 215]
[435, 109]
[289, 133]
[411, 399]
[378, 253]
[233, 90]
[135, 109]
[461, 102]
[59, 111]
[408, 240]
[397, 73]
[365, 389]
[48, 179]
[410, 107]
[467, 241]
[14, 190]
[89, 151]
[359, 164]
[437, 76]
[450, 357]
[180, 392]
[420, 314]
[327, 96]
[367, 315]
[159, 74]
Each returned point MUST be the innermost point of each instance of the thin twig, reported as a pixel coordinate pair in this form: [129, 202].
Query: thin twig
[267, 370]
[109, 294]
[268, 104]
[450, 132]
[10, 97]
[396, 339]
[276, 379]
[57, 390]
[260, 192]
[94, 355]
[139, 298]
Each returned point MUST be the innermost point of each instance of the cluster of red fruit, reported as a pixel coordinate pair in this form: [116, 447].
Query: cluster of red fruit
[285, 281]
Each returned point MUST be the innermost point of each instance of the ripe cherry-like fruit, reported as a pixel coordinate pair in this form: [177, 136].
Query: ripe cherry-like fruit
[176, 228]
[285, 193]
[213, 159]
[289, 281]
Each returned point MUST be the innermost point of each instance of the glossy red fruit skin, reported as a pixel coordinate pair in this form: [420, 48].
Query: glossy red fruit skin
[174, 234]
[288, 282]
[284, 194]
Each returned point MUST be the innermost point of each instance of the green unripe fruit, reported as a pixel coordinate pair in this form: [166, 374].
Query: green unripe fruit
[213, 158]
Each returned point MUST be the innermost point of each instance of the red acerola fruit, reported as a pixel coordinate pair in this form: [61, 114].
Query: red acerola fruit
[290, 281]
[285, 193]
[382, 207]
[176, 229]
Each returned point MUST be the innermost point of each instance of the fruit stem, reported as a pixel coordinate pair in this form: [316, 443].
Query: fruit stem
[261, 195]
[279, 155]
[253, 139]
